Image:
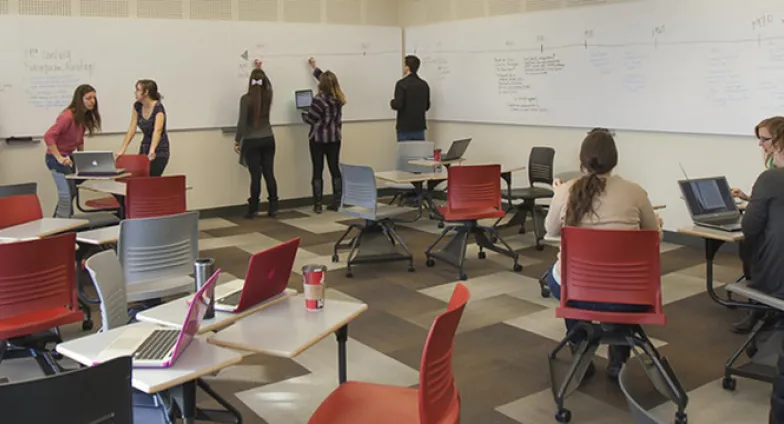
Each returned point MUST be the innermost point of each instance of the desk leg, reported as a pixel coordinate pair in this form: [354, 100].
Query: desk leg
[185, 397]
[342, 336]
[712, 246]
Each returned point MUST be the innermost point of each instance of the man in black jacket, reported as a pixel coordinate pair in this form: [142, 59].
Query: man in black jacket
[412, 100]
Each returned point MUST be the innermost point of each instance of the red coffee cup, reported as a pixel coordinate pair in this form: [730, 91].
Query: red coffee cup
[313, 288]
[437, 155]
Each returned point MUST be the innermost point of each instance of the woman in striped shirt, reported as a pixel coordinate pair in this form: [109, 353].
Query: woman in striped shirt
[325, 117]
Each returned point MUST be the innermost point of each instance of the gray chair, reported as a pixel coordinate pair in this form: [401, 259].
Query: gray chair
[65, 196]
[109, 280]
[627, 382]
[360, 200]
[157, 255]
[18, 189]
[407, 152]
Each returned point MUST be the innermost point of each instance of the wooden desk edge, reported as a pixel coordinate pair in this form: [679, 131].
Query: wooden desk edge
[97, 178]
[81, 223]
[704, 234]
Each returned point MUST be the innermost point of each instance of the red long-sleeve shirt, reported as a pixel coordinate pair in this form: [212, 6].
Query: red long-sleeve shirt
[66, 134]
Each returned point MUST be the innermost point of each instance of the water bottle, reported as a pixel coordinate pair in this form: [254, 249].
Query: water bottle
[203, 269]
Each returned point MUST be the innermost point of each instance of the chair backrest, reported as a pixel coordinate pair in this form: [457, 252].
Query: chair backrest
[37, 275]
[412, 150]
[15, 210]
[439, 399]
[137, 165]
[540, 165]
[18, 189]
[625, 270]
[359, 186]
[107, 275]
[155, 196]
[639, 414]
[474, 187]
[65, 195]
[100, 394]
[155, 248]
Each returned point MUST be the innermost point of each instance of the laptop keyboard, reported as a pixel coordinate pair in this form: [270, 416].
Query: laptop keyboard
[231, 300]
[157, 346]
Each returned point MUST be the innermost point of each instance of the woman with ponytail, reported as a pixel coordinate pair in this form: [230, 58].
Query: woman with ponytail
[599, 200]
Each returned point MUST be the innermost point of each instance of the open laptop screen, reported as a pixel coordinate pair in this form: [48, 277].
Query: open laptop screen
[707, 196]
[303, 98]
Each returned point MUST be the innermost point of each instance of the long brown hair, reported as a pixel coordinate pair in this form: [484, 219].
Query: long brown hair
[260, 96]
[89, 119]
[598, 156]
[330, 87]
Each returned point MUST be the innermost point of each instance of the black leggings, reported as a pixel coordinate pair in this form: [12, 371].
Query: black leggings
[317, 153]
[259, 154]
[158, 165]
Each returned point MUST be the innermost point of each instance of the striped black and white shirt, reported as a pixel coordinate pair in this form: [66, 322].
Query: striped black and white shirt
[325, 117]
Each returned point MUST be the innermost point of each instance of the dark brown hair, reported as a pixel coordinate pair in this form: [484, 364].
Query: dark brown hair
[598, 156]
[90, 119]
[260, 96]
[329, 86]
[413, 63]
[150, 88]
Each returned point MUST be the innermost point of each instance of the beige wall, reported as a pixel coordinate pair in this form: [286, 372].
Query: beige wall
[206, 157]
[651, 159]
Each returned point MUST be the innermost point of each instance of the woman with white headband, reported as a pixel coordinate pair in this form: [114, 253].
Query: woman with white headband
[255, 142]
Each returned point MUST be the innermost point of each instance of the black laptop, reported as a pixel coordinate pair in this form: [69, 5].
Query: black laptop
[711, 204]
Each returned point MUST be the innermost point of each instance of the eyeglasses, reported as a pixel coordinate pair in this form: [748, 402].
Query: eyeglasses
[765, 139]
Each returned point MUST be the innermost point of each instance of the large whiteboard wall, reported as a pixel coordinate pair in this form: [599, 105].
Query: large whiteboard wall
[693, 66]
[201, 67]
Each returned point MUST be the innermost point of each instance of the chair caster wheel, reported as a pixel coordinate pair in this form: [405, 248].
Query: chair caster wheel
[540, 247]
[430, 263]
[411, 269]
[349, 274]
[482, 255]
[545, 292]
[335, 259]
[729, 383]
[87, 325]
[441, 224]
[681, 419]
[463, 276]
[517, 268]
[563, 416]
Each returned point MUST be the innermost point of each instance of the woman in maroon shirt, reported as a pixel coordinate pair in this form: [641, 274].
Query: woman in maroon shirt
[67, 133]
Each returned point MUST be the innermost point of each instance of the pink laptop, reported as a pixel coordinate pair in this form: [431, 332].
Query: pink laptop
[152, 347]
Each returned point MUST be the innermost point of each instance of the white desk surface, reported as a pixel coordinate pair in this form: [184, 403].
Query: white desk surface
[710, 233]
[97, 237]
[41, 228]
[286, 329]
[172, 313]
[96, 177]
[431, 162]
[199, 359]
[402, 177]
[117, 188]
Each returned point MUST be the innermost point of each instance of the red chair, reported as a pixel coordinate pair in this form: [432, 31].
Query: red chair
[618, 267]
[473, 193]
[152, 197]
[137, 165]
[37, 294]
[15, 210]
[436, 401]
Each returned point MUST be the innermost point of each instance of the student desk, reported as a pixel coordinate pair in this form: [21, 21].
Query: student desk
[170, 313]
[199, 359]
[435, 163]
[418, 180]
[286, 329]
[43, 227]
[99, 236]
[714, 239]
[97, 177]
[116, 188]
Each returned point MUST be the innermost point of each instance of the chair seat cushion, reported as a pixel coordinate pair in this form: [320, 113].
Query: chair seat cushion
[366, 403]
[382, 212]
[99, 219]
[528, 193]
[154, 289]
[470, 214]
[103, 203]
[35, 322]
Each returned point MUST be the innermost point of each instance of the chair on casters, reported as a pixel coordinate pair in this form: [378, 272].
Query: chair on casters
[19, 209]
[625, 380]
[65, 195]
[406, 152]
[148, 197]
[473, 193]
[136, 165]
[360, 200]
[540, 171]
[435, 401]
[625, 271]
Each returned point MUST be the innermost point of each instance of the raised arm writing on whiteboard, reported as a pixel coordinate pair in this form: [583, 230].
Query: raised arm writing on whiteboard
[411, 101]
[325, 117]
[255, 141]
[149, 115]
[67, 133]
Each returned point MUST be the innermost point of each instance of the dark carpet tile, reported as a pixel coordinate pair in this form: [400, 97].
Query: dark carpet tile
[230, 260]
[226, 389]
[392, 298]
[681, 258]
[387, 334]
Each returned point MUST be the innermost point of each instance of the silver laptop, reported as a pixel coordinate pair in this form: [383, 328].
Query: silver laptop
[303, 99]
[456, 150]
[710, 203]
[95, 163]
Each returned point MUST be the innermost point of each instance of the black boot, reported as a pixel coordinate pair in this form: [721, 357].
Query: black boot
[253, 209]
[318, 194]
[272, 207]
[618, 356]
[748, 322]
[337, 194]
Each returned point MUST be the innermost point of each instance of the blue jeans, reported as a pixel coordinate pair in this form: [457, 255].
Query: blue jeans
[53, 165]
[411, 135]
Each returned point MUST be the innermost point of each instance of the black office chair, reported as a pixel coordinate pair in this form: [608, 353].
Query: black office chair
[96, 395]
[540, 171]
[18, 189]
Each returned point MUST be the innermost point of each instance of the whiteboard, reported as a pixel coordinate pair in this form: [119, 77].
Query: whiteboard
[201, 68]
[689, 66]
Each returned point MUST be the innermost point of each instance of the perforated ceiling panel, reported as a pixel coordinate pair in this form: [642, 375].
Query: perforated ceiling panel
[164, 9]
[45, 7]
[382, 12]
[212, 10]
[104, 8]
[302, 10]
[3, 7]
[258, 10]
[344, 12]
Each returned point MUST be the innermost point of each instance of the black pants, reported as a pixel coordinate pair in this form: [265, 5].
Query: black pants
[317, 153]
[259, 154]
[158, 165]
